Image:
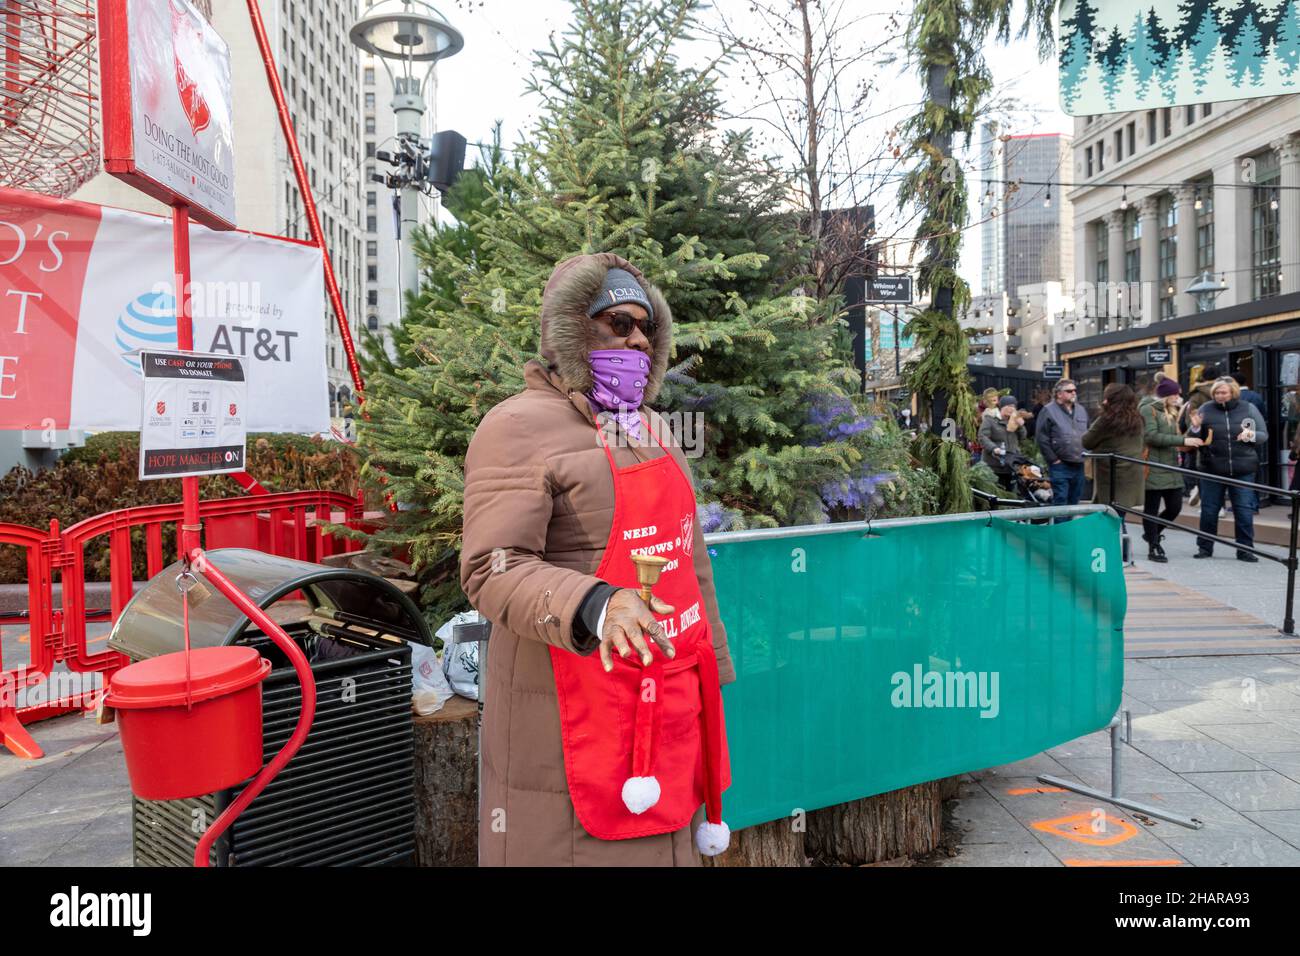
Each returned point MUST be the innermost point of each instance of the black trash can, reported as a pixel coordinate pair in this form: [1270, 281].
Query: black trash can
[347, 797]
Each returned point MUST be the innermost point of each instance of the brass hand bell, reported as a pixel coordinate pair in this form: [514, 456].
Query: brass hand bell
[648, 569]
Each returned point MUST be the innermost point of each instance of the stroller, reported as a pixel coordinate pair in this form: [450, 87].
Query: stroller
[1029, 481]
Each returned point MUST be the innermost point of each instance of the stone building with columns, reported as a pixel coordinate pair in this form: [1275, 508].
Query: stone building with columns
[1170, 199]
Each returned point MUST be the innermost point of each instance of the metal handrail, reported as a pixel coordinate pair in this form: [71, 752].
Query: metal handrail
[1288, 620]
[880, 524]
[994, 502]
[1239, 482]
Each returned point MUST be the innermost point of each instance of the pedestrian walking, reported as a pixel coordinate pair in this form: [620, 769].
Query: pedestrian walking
[1163, 440]
[1230, 434]
[1199, 395]
[1118, 430]
[1061, 428]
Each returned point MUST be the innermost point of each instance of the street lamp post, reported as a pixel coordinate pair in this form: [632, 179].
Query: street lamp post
[408, 37]
[1206, 289]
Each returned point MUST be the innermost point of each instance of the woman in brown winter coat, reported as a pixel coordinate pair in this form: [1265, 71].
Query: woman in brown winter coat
[540, 506]
[1118, 429]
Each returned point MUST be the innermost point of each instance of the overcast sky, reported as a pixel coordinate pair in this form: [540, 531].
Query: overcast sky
[485, 82]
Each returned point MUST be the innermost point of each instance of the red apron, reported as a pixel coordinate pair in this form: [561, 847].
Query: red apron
[663, 721]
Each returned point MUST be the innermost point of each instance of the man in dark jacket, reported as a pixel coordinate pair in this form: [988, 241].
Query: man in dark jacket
[1060, 438]
[1231, 433]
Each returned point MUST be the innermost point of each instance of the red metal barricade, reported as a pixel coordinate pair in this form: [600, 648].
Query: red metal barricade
[290, 524]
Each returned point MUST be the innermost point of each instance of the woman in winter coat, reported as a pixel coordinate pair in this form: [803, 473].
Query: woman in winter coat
[565, 482]
[1118, 429]
[1232, 437]
[1164, 489]
[1000, 435]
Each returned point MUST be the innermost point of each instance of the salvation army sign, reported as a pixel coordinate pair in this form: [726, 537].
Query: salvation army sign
[1117, 55]
[85, 289]
[168, 130]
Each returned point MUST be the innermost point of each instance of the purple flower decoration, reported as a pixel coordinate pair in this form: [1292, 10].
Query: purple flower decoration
[862, 492]
[713, 516]
[837, 417]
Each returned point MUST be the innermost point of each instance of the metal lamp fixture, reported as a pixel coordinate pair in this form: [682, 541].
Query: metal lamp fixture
[1206, 288]
[408, 34]
[409, 37]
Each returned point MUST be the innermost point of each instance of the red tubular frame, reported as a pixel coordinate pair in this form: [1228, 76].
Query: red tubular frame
[305, 716]
[304, 187]
[190, 526]
[295, 528]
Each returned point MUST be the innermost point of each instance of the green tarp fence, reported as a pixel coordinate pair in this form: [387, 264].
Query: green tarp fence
[926, 648]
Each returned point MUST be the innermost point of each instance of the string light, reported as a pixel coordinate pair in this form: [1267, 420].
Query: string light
[1272, 204]
[1123, 200]
[1198, 204]
[1047, 203]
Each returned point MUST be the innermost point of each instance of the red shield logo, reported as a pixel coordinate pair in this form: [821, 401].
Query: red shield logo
[233, 409]
[161, 407]
[688, 534]
[187, 41]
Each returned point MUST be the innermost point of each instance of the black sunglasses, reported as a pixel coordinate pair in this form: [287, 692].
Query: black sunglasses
[622, 322]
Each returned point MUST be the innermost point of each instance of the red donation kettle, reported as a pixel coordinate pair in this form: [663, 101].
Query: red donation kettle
[190, 735]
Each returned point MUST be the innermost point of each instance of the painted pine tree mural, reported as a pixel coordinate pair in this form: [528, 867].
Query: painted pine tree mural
[1076, 61]
[1286, 47]
[1116, 55]
[1204, 46]
[1143, 54]
[1247, 62]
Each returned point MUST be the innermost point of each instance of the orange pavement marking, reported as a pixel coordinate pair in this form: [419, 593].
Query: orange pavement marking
[1078, 827]
[1021, 791]
[1122, 862]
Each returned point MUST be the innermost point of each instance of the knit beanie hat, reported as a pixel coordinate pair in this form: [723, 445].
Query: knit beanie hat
[1168, 387]
[1006, 400]
[620, 286]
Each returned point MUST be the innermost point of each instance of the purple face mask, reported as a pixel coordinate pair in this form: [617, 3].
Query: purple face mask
[620, 378]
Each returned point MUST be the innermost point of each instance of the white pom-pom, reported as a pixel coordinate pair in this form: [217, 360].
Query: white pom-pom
[712, 838]
[640, 793]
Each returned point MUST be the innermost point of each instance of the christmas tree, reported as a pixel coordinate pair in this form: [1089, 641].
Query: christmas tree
[626, 156]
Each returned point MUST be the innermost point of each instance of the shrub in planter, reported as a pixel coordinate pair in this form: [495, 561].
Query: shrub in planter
[103, 476]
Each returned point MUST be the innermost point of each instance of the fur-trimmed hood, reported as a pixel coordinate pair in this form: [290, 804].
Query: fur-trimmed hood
[568, 293]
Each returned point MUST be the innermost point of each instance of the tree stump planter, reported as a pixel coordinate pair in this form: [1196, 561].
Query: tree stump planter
[446, 785]
[904, 823]
[901, 823]
[775, 843]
